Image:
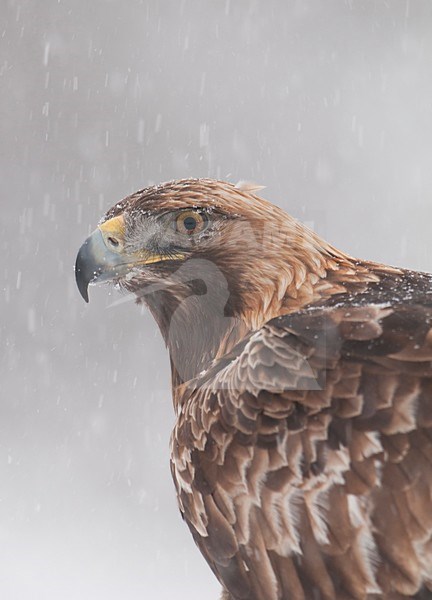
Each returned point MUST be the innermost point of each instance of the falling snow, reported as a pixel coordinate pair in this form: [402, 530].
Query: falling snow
[328, 105]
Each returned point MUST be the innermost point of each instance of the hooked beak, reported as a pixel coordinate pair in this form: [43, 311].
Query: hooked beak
[101, 257]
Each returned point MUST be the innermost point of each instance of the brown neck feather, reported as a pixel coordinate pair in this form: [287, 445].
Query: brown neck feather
[197, 328]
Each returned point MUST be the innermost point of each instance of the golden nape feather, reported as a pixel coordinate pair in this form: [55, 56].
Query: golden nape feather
[302, 385]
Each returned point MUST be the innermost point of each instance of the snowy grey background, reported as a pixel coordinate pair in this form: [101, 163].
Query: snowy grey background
[327, 103]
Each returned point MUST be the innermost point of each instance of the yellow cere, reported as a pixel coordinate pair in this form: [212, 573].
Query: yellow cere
[115, 227]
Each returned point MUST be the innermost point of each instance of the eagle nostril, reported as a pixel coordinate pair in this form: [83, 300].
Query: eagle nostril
[113, 242]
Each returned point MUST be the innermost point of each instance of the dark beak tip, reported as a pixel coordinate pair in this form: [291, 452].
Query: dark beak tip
[84, 271]
[84, 294]
[82, 284]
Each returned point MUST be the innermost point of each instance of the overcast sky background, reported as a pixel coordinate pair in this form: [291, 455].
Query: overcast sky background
[327, 103]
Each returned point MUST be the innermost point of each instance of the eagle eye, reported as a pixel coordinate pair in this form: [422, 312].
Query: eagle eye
[190, 222]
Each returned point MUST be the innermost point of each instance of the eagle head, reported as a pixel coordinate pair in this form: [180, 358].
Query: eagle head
[146, 237]
[209, 229]
[215, 255]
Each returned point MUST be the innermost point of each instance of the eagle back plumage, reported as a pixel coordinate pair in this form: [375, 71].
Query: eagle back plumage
[303, 459]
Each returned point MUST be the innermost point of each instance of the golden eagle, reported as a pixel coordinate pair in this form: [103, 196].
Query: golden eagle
[302, 387]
